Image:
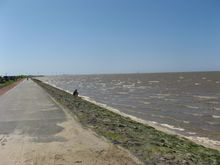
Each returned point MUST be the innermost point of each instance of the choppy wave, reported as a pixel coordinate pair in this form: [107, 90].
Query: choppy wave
[215, 116]
[144, 102]
[191, 133]
[191, 107]
[213, 102]
[120, 83]
[142, 87]
[164, 95]
[172, 127]
[204, 140]
[129, 86]
[206, 97]
[172, 100]
[216, 108]
[153, 81]
[213, 123]
[157, 97]
[158, 116]
[123, 93]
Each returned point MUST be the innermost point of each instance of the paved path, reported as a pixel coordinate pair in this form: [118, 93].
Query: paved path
[35, 130]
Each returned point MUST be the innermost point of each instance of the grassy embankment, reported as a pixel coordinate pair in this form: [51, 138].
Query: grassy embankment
[6, 83]
[146, 143]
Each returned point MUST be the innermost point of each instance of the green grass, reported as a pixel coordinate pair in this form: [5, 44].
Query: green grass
[146, 143]
[6, 83]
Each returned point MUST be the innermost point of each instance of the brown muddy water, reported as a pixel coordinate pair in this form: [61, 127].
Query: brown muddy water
[188, 103]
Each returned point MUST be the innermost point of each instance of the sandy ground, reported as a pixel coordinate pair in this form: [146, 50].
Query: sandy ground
[35, 130]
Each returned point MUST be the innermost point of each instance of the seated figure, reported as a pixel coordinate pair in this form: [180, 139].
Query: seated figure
[75, 93]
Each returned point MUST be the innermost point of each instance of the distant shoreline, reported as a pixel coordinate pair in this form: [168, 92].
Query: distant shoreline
[129, 73]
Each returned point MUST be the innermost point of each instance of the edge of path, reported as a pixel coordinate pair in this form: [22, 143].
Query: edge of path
[8, 87]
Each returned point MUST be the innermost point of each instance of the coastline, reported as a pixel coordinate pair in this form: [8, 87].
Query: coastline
[140, 137]
[206, 142]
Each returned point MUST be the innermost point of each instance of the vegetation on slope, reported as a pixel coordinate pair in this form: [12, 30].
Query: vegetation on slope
[7, 80]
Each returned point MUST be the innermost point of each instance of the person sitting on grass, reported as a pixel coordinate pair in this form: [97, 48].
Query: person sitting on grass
[76, 93]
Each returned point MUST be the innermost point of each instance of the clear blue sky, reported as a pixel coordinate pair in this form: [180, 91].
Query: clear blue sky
[108, 36]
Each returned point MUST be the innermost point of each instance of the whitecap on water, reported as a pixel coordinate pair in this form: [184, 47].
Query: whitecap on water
[154, 122]
[214, 102]
[129, 86]
[158, 116]
[157, 97]
[120, 83]
[169, 99]
[144, 102]
[191, 133]
[205, 140]
[141, 87]
[196, 114]
[191, 107]
[172, 127]
[122, 93]
[205, 97]
[215, 116]
[216, 108]
[213, 123]
[165, 95]
[138, 82]
[153, 81]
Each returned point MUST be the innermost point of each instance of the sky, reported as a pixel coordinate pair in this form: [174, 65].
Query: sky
[108, 36]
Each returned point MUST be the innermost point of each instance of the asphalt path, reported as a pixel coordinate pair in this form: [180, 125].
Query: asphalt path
[28, 110]
[35, 129]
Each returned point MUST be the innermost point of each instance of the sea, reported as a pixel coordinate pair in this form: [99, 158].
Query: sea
[187, 103]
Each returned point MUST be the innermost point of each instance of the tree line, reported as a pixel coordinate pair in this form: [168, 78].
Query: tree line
[4, 79]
